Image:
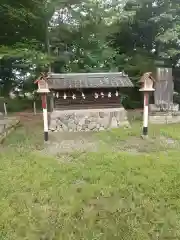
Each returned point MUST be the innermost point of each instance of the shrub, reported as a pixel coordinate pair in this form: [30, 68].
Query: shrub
[18, 104]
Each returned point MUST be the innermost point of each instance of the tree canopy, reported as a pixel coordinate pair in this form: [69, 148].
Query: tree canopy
[85, 36]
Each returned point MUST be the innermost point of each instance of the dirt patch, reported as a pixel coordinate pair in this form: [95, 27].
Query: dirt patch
[62, 143]
[71, 142]
[139, 145]
[27, 118]
[67, 142]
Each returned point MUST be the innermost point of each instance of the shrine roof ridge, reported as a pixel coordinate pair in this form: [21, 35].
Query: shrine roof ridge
[63, 75]
[88, 80]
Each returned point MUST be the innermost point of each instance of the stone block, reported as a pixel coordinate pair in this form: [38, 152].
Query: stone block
[71, 121]
[72, 126]
[55, 115]
[102, 114]
[122, 115]
[81, 122]
[71, 116]
[104, 122]
[53, 125]
[101, 129]
[94, 114]
[64, 127]
[154, 108]
[84, 126]
[174, 107]
[85, 120]
[76, 121]
[114, 123]
[79, 128]
[65, 117]
[92, 125]
[60, 129]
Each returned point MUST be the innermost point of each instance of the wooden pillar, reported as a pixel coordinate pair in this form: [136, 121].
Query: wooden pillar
[45, 116]
[146, 113]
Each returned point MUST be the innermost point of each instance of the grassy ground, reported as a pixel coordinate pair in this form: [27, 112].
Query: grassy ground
[102, 195]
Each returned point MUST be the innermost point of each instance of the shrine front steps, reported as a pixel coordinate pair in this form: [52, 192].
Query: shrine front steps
[88, 119]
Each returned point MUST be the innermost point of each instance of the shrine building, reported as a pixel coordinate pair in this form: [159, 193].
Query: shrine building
[87, 101]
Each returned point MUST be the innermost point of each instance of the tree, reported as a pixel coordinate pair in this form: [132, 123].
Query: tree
[24, 38]
[80, 40]
[85, 36]
[147, 30]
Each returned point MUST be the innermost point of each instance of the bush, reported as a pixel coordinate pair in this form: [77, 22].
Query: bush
[176, 98]
[18, 104]
[130, 104]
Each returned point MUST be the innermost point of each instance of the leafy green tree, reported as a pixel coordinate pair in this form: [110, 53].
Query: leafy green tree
[80, 41]
[86, 36]
[24, 27]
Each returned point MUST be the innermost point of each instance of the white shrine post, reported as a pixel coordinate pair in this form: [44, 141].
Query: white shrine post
[147, 86]
[43, 89]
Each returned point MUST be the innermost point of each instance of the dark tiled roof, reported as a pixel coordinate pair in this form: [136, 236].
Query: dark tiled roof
[88, 80]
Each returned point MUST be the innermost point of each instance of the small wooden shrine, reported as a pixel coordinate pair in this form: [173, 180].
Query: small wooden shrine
[147, 82]
[87, 90]
[85, 101]
[42, 82]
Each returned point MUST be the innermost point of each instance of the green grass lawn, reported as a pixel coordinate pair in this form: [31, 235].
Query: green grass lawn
[103, 195]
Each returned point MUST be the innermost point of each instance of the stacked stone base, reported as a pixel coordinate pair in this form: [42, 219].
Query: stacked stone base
[164, 118]
[87, 120]
[166, 108]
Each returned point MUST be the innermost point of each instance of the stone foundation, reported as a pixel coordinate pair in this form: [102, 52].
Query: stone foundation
[164, 118]
[87, 120]
[171, 108]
